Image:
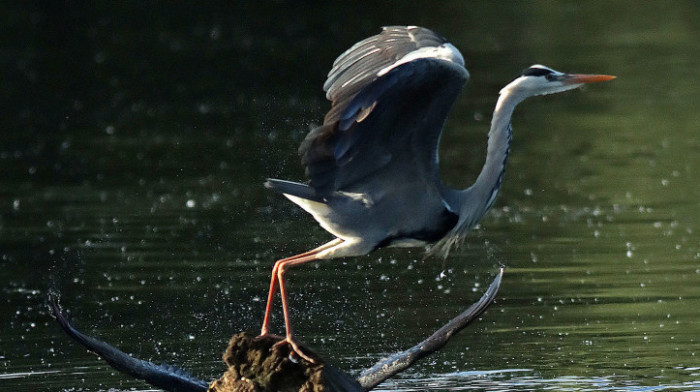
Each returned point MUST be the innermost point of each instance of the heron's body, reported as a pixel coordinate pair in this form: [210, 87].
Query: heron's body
[373, 165]
[370, 220]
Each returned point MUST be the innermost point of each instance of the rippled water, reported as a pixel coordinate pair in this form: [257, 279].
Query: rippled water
[135, 142]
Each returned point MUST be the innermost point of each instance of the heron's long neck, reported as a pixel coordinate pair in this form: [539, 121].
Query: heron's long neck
[473, 202]
[482, 193]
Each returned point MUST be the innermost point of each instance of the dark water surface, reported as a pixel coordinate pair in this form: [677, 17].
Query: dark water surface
[135, 139]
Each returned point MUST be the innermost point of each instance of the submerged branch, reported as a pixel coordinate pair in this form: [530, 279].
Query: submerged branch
[261, 364]
[398, 362]
[169, 378]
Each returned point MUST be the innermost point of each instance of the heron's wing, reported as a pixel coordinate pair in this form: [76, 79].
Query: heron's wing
[358, 67]
[391, 94]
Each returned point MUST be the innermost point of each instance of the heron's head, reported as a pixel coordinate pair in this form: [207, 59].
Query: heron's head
[541, 80]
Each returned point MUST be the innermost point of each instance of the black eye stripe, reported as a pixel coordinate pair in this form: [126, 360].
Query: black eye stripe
[536, 72]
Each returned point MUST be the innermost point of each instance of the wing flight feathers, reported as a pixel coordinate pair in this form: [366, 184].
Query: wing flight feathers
[391, 94]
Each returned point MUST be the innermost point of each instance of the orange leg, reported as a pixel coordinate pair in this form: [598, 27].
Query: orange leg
[271, 293]
[278, 278]
[282, 268]
[274, 279]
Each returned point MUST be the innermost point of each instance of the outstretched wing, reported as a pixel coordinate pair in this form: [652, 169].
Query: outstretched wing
[391, 94]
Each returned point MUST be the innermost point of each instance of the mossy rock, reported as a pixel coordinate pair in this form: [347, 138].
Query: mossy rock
[257, 364]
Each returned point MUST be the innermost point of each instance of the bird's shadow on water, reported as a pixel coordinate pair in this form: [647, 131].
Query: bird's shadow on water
[521, 380]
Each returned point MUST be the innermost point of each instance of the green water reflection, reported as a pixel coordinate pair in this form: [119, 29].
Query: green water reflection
[135, 140]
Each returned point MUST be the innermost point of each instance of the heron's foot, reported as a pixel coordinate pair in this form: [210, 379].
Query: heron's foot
[295, 349]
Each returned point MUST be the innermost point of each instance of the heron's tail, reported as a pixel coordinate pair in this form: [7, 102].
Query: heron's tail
[293, 188]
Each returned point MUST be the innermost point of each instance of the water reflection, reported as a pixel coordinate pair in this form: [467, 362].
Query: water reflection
[525, 380]
[133, 153]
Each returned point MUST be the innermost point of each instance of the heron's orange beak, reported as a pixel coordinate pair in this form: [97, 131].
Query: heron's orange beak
[583, 78]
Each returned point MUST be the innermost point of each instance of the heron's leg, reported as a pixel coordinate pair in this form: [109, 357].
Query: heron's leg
[337, 248]
[273, 281]
[271, 296]
[281, 269]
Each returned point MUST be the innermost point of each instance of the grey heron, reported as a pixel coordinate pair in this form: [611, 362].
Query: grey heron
[373, 164]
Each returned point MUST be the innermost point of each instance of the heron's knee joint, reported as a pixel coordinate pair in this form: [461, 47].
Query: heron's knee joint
[281, 269]
[278, 263]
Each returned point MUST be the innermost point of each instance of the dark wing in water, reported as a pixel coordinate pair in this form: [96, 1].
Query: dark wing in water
[391, 94]
[164, 376]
